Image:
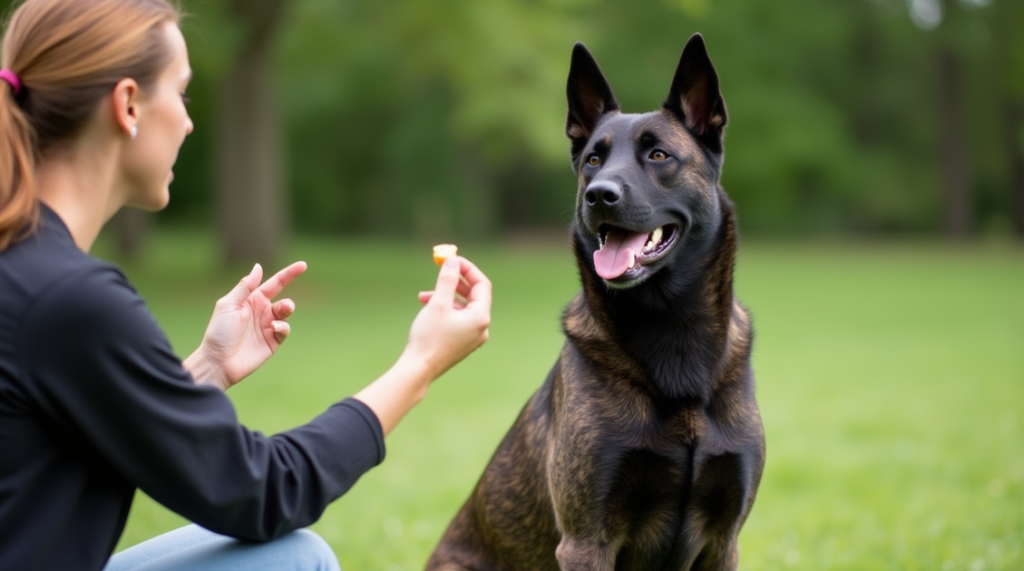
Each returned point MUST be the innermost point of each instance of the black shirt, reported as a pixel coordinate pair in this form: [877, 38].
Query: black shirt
[94, 404]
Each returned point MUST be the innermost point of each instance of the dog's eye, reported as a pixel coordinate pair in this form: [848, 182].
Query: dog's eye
[658, 155]
[593, 160]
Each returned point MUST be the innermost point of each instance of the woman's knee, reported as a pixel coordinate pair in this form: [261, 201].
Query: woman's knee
[198, 549]
[315, 553]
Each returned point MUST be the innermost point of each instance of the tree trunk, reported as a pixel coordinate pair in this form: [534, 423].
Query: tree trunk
[130, 228]
[478, 203]
[1013, 129]
[1009, 49]
[956, 178]
[250, 167]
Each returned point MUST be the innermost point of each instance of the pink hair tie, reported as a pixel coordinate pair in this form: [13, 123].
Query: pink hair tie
[12, 78]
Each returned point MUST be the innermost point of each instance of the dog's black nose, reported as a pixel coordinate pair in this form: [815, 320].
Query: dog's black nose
[605, 192]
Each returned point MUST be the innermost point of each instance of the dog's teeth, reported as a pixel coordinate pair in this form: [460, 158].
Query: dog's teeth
[656, 235]
[632, 259]
[654, 240]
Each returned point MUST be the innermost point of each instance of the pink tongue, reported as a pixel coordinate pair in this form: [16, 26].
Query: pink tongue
[612, 260]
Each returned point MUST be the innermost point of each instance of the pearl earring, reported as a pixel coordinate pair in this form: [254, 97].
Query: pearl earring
[134, 131]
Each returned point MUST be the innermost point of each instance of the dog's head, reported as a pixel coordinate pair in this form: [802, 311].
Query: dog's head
[648, 194]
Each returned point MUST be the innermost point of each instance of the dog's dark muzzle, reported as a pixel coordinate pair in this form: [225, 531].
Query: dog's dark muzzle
[630, 241]
[603, 200]
[602, 194]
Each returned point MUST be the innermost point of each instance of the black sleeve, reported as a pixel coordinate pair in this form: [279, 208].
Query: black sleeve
[102, 367]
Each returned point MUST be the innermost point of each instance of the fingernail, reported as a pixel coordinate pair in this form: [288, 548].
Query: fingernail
[452, 262]
[278, 326]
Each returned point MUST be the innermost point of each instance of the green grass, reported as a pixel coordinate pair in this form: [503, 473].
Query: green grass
[890, 379]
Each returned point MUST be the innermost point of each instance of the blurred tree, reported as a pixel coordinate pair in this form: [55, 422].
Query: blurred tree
[130, 229]
[429, 119]
[946, 18]
[958, 216]
[1009, 46]
[249, 149]
[1013, 139]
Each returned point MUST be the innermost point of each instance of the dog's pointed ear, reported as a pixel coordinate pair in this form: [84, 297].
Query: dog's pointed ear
[695, 97]
[590, 98]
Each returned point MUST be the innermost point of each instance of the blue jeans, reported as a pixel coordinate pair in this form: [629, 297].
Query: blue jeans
[193, 548]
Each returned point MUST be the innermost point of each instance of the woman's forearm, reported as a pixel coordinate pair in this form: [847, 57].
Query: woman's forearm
[397, 391]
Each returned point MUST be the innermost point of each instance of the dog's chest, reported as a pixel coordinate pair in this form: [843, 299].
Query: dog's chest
[633, 459]
[644, 483]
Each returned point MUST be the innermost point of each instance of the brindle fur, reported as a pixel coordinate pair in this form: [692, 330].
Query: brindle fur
[643, 449]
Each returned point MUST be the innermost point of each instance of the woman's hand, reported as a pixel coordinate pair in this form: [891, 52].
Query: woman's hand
[455, 319]
[245, 330]
[452, 324]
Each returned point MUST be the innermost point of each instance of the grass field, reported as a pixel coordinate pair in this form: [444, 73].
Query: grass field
[890, 379]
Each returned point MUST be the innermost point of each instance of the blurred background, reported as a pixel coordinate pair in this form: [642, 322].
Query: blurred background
[444, 120]
[875, 152]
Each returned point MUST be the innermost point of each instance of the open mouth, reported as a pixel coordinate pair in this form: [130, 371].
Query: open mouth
[623, 254]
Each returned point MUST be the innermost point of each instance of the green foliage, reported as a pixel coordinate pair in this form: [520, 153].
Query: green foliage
[888, 379]
[441, 120]
[445, 119]
[427, 104]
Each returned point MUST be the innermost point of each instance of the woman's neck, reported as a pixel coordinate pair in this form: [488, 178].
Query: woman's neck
[79, 183]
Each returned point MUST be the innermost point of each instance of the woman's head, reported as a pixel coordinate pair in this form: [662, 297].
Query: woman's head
[69, 55]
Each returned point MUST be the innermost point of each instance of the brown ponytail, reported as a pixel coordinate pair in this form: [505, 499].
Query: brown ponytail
[18, 208]
[67, 54]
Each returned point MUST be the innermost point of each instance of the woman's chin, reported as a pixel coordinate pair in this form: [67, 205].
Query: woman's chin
[152, 203]
[164, 200]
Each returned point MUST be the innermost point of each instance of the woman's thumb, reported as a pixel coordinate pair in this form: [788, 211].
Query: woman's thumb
[241, 292]
[447, 281]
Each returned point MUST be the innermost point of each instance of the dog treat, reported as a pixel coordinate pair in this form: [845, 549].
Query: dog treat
[444, 251]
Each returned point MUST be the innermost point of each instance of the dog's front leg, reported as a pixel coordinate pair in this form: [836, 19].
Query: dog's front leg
[589, 554]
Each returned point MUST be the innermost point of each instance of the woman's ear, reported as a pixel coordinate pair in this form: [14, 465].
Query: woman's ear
[125, 100]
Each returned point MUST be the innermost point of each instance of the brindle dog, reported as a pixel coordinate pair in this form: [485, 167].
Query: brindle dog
[644, 447]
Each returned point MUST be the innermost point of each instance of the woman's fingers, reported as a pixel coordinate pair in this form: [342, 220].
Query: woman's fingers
[461, 294]
[480, 286]
[281, 330]
[283, 309]
[471, 286]
[276, 284]
[464, 288]
[459, 303]
[244, 288]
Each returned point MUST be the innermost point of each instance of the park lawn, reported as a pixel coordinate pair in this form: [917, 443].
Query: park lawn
[890, 380]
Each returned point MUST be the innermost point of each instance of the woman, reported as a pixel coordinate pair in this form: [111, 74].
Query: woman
[93, 402]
